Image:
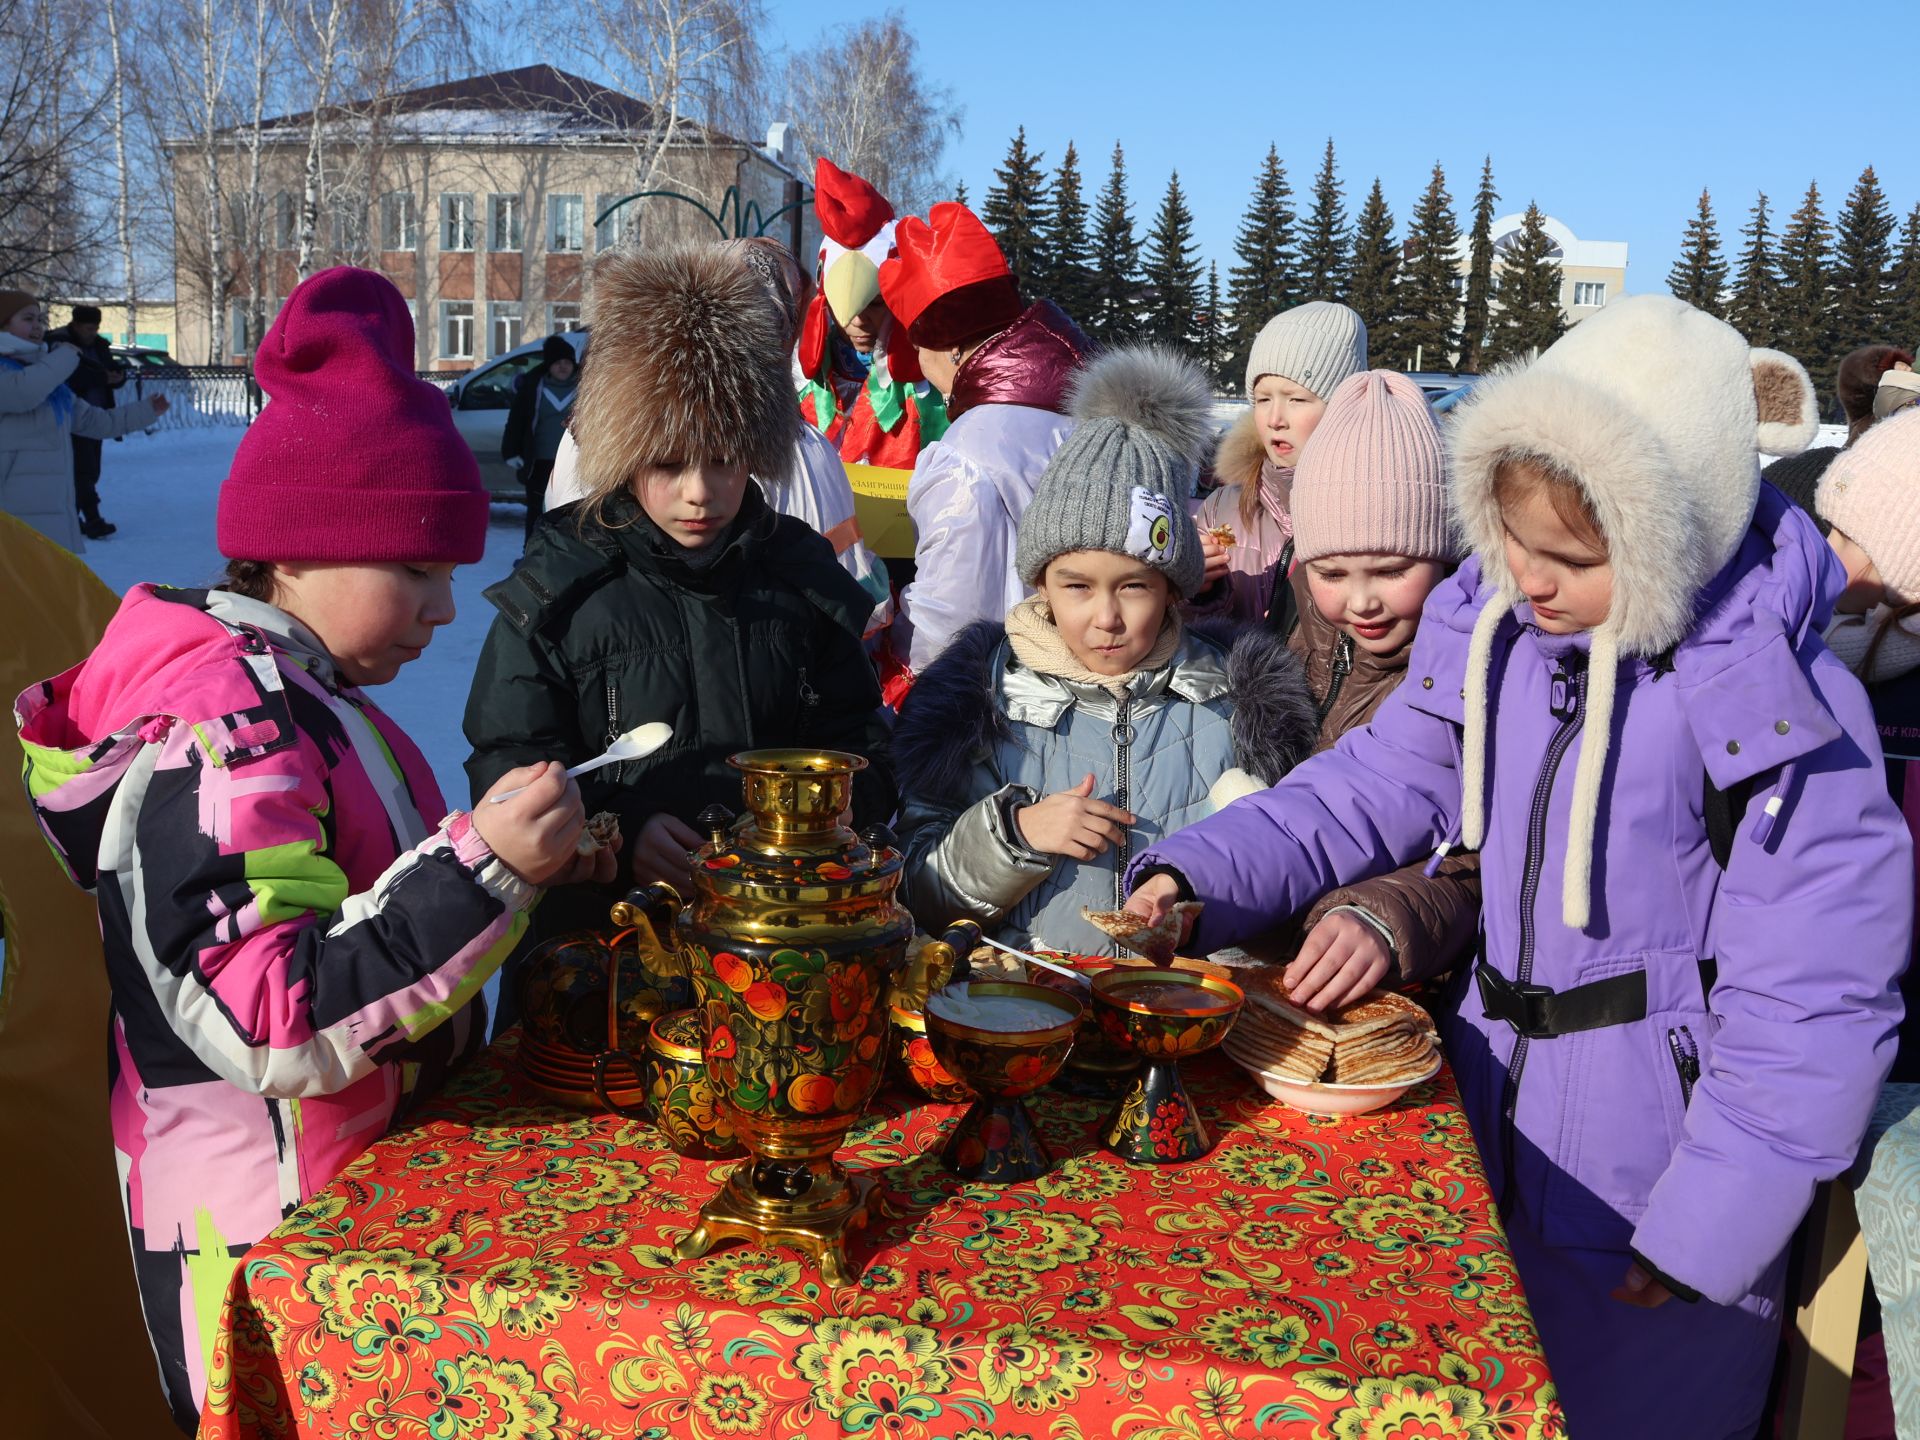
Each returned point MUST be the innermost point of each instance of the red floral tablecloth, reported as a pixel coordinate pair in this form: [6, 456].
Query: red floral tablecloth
[503, 1271]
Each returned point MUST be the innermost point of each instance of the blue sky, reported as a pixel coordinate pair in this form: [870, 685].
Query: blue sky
[1611, 116]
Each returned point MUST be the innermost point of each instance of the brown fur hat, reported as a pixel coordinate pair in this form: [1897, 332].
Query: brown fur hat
[689, 361]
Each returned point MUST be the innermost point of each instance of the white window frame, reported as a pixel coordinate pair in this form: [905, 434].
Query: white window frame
[236, 327]
[566, 224]
[457, 229]
[399, 211]
[1591, 293]
[511, 315]
[511, 236]
[562, 324]
[452, 314]
[614, 233]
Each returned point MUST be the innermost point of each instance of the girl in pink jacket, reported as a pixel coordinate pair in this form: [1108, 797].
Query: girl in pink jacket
[295, 938]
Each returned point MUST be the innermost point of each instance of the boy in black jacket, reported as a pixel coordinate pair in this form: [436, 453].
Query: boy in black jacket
[673, 591]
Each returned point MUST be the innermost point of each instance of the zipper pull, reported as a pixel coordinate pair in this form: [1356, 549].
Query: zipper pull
[1563, 697]
[808, 695]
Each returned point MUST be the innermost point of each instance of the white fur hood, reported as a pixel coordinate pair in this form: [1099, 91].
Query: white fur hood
[1661, 412]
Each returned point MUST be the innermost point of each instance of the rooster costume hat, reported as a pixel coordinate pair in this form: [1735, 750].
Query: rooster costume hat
[884, 416]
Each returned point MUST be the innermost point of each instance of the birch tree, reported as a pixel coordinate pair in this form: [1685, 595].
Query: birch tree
[858, 97]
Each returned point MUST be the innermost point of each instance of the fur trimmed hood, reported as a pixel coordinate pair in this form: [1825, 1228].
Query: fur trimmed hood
[1661, 412]
[689, 361]
[1239, 455]
[953, 716]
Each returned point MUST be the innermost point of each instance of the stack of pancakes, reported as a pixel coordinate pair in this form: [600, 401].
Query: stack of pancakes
[1380, 1039]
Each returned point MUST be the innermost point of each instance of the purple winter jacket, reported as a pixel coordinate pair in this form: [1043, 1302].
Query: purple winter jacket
[1611, 1143]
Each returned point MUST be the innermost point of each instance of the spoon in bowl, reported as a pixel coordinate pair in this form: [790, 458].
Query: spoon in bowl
[636, 744]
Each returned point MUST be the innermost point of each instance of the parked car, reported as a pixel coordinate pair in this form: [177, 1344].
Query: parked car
[139, 359]
[481, 399]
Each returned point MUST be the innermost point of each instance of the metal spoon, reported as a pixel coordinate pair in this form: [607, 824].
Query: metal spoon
[636, 744]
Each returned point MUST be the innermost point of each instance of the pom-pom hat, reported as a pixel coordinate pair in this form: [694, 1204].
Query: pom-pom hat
[1121, 480]
[353, 459]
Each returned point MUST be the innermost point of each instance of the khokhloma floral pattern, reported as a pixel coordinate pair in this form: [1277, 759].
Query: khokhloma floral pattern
[504, 1271]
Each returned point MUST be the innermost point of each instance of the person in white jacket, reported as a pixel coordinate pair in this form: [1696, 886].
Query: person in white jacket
[39, 416]
[1005, 369]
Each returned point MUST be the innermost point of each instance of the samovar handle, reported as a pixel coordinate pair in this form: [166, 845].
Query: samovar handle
[950, 958]
[649, 911]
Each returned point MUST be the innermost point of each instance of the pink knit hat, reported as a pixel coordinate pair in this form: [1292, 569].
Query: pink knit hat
[1869, 494]
[354, 459]
[1373, 477]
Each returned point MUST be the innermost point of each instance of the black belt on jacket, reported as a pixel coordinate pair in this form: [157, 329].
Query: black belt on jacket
[1540, 1013]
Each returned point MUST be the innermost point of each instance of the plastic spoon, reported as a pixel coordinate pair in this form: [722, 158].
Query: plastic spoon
[636, 744]
[1071, 974]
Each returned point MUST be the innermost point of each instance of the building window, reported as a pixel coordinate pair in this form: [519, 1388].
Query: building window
[349, 230]
[564, 315]
[566, 222]
[503, 222]
[1589, 292]
[456, 224]
[618, 228]
[236, 328]
[456, 329]
[399, 221]
[503, 326]
[283, 226]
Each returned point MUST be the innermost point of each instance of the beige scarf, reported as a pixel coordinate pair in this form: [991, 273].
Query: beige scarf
[1850, 636]
[1039, 645]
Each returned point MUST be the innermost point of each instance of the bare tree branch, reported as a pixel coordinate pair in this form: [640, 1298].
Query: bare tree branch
[858, 98]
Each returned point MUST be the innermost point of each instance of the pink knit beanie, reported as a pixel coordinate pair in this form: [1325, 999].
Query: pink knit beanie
[353, 459]
[1871, 493]
[1373, 477]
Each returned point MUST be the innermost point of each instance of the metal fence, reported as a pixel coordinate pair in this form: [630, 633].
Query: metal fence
[212, 395]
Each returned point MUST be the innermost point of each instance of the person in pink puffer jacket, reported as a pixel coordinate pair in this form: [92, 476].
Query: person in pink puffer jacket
[295, 939]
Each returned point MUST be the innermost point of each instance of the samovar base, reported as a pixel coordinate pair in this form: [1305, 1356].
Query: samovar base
[816, 1226]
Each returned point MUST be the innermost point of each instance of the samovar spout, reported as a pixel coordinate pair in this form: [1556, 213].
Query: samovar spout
[649, 912]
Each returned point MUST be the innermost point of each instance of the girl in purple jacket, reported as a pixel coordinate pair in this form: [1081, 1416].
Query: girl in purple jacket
[1697, 896]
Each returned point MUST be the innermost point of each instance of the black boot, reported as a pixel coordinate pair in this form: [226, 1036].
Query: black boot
[92, 526]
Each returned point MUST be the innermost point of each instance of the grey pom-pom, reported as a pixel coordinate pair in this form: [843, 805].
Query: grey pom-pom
[1151, 387]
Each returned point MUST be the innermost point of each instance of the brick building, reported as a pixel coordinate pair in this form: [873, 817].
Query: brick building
[480, 199]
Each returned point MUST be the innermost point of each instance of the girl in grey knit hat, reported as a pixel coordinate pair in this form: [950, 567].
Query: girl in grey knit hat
[1037, 756]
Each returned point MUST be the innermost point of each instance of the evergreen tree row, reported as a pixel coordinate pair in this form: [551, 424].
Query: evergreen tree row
[1818, 288]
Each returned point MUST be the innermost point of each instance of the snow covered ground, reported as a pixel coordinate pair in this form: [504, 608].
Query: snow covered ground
[162, 489]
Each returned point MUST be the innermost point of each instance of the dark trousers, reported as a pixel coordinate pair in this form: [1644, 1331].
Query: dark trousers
[86, 476]
[534, 477]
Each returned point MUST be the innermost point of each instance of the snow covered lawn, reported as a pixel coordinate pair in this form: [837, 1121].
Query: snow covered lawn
[162, 491]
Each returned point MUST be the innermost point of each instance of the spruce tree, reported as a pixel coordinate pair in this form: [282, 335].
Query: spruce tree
[1116, 260]
[1803, 318]
[1529, 318]
[1862, 258]
[1903, 300]
[1213, 348]
[960, 193]
[1756, 288]
[1172, 274]
[1429, 279]
[1326, 247]
[1260, 283]
[1069, 278]
[1478, 310]
[1699, 276]
[1016, 212]
[1376, 267]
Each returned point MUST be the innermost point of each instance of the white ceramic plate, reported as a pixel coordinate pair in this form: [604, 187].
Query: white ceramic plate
[1324, 1098]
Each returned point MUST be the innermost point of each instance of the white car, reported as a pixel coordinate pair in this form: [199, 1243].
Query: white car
[481, 399]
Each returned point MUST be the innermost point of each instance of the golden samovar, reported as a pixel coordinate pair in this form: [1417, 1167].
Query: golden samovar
[791, 937]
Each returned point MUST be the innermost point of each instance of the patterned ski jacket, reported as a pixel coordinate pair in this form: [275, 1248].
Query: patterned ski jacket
[293, 948]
